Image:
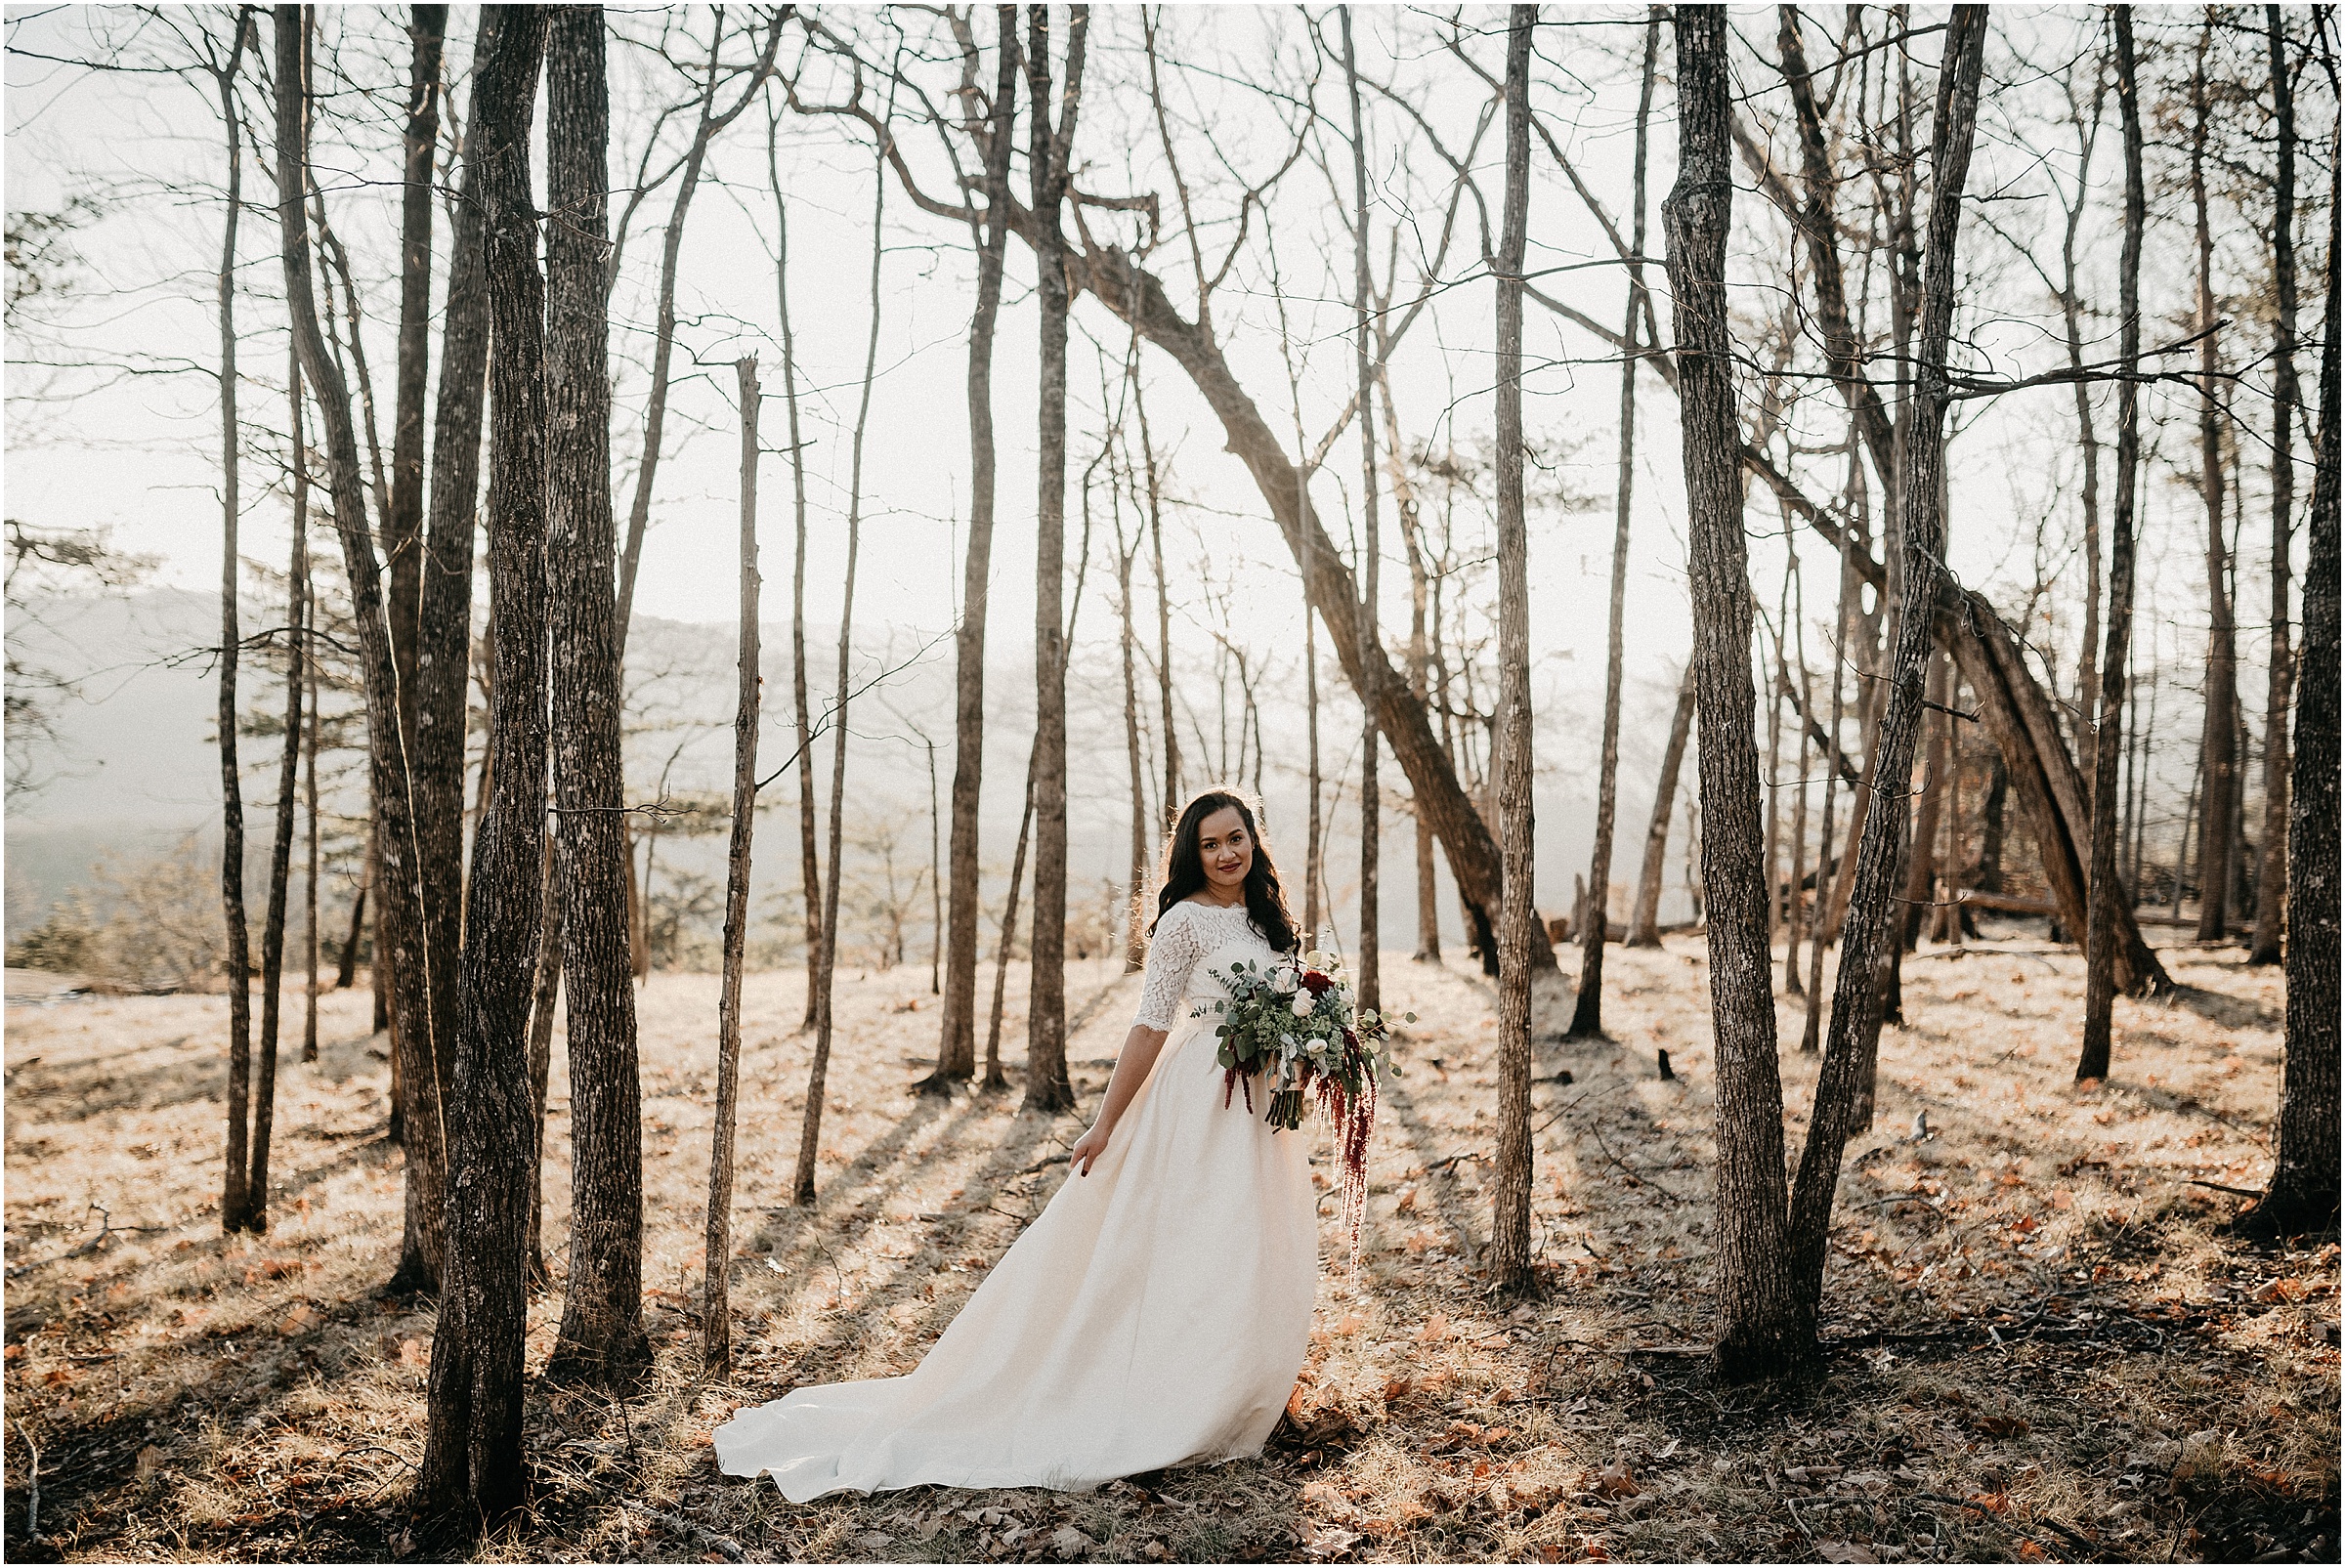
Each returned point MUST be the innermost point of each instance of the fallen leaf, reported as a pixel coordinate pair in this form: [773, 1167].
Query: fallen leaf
[1843, 1551]
[300, 1318]
[1615, 1481]
[1069, 1541]
[413, 1354]
[151, 1459]
[873, 1541]
[1329, 1540]
[1435, 1330]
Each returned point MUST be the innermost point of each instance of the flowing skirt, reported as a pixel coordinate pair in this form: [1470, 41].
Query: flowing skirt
[1155, 1313]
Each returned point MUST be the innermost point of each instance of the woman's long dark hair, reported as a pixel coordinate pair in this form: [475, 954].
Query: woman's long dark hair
[1184, 870]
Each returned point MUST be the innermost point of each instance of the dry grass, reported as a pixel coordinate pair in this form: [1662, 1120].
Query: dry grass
[2069, 1356]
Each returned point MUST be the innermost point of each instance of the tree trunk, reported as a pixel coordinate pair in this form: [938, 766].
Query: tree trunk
[2303, 1195]
[1763, 1321]
[1368, 979]
[1921, 854]
[810, 1130]
[1645, 916]
[474, 1468]
[602, 1339]
[347, 966]
[1048, 1088]
[238, 977]
[956, 1049]
[810, 870]
[442, 639]
[1844, 615]
[1136, 919]
[309, 766]
[993, 1077]
[280, 871]
[716, 1315]
[2271, 888]
[1511, 1198]
[1868, 937]
[397, 895]
[2219, 734]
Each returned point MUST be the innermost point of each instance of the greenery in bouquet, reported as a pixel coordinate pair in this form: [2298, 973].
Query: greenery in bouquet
[1291, 1022]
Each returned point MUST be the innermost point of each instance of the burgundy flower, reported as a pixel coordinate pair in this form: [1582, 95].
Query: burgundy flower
[1316, 983]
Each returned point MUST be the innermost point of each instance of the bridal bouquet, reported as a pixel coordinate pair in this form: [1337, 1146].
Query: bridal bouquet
[1293, 1025]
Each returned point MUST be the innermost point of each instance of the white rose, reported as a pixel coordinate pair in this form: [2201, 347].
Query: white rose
[1284, 980]
[1302, 1004]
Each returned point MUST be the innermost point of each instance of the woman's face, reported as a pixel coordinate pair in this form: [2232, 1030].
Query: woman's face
[1227, 850]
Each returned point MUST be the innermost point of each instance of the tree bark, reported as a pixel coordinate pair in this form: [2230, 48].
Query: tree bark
[1048, 1088]
[2303, 1194]
[2100, 931]
[827, 970]
[546, 996]
[238, 977]
[2219, 734]
[2271, 895]
[1368, 980]
[1511, 1198]
[309, 666]
[1645, 916]
[716, 1316]
[602, 1339]
[397, 894]
[993, 1077]
[957, 1047]
[474, 1468]
[440, 641]
[1868, 938]
[1763, 1321]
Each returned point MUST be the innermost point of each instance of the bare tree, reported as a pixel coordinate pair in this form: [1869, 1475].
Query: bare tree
[1048, 1088]
[810, 870]
[2271, 883]
[440, 641]
[810, 1131]
[2303, 1193]
[1587, 1007]
[397, 894]
[280, 866]
[957, 1046]
[1511, 1200]
[474, 1468]
[601, 1340]
[233, 1201]
[716, 1315]
[1369, 979]
[2100, 937]
[2219, 738]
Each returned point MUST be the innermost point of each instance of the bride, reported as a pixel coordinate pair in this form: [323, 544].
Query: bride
[1157, 1310]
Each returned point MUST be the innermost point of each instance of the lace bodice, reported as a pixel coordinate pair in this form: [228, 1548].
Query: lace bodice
[1185, 937]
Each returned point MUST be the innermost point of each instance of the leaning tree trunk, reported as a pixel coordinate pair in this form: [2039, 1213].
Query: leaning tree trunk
[717, 1313]
[2303, 1195]
[602, 1339]
[1764, 1323]
[396, 888]
[1048, 1088]
[825, 973]
[2219, 738]
[1868, 936]
[1511, 1198]
[443, 642]
[1587, 1007]
[2101, 933]
[1369, 979]
[2271, 882]
[238, 961]
[1644, 916]
[474, 1468]
[957, 1046]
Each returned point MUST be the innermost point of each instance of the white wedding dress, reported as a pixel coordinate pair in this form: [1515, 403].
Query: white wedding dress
[1156, 1312]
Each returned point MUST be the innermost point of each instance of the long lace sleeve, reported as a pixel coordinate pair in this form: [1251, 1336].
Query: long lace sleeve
[1172, 953]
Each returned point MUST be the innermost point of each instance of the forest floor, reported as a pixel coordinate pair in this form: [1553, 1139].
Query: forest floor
[2046, 1346]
